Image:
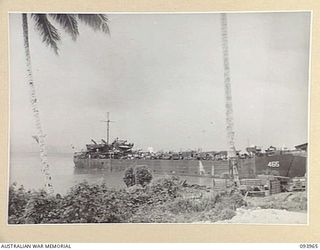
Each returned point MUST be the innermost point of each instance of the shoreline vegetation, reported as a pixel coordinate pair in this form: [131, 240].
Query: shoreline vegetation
[164, 200]
[145, 200]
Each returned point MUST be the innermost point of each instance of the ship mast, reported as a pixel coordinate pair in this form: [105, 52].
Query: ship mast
[108, 127]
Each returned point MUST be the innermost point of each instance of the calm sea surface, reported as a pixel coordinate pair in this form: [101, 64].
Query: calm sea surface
[25, 170]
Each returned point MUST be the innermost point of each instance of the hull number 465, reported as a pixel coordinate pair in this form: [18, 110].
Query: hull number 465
[274, 164]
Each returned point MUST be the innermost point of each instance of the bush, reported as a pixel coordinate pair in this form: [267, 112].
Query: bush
[18, 199]
[226, 214]
[230, 200]
[166, 188]
[129, 177]
[187, 205]
[143, 175]
[84, 203]
[161, 201]
[96, 204]
[139, 175]
[41, 208]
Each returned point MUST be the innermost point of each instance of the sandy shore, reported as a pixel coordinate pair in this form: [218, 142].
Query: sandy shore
[267, 216]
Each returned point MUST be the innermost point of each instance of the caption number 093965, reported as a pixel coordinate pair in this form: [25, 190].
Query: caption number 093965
[309, 246]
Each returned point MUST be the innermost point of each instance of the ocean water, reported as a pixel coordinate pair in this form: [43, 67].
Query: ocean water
[25, 169]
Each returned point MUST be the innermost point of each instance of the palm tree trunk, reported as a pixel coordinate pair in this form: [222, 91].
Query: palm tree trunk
[45, 168]
[228, 98]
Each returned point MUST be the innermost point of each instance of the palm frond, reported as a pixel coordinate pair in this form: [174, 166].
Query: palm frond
[98, 22]
[68, 22]
[48, 32]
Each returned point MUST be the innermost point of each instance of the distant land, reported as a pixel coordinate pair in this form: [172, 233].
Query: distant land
[34, 148]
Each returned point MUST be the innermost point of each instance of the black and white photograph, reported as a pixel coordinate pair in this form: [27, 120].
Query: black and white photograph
[150, 117]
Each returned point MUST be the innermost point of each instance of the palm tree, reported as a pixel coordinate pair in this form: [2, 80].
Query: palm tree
[228, 99]
[50, 36]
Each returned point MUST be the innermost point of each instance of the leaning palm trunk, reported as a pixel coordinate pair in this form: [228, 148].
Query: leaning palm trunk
[45, 168]
[228, 98]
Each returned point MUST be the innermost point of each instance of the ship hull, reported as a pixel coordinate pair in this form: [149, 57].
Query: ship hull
[288, 165]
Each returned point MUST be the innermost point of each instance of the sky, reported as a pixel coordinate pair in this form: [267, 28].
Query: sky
[161, 78]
